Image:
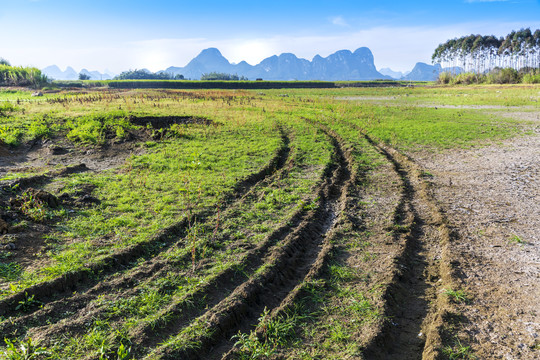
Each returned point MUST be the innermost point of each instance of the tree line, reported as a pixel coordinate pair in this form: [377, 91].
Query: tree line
[147, 75]
[477, 53]
[223, 77]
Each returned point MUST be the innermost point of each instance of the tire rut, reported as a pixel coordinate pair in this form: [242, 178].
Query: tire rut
[58, 295]
[316, 271]
[286, 267]
[413, 302]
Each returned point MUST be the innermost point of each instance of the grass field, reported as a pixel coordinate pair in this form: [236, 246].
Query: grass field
[236, 224]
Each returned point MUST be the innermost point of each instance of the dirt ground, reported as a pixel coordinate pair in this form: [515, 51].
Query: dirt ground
[491, 197]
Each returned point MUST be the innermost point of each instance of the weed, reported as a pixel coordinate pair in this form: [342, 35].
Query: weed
[458, 296]
[28, 303]
[514, 239]
[33, 207]
[26, 350]
[251, 348]
[458, 351]
[426, 174]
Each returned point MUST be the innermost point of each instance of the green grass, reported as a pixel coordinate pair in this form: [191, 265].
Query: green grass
[514, 239]
[191, 170]
[458, 296]
[458, 351]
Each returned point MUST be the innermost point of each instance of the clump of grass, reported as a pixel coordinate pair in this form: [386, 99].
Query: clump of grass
[515, 239]
[25, 350]
[271, 334]
[10, 271]
[93, 129]
[458, 296]
[28, 303]
[458, 351]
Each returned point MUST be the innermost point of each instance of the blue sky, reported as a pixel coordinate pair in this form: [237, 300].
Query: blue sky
[121, 34]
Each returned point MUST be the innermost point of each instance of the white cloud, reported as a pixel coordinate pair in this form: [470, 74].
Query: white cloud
[396, 47]
[339, 21]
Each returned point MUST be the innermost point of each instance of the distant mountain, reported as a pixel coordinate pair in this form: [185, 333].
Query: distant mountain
[393, 74]
[55, 73]
[426, 72]
[342, 65]
[96, 75]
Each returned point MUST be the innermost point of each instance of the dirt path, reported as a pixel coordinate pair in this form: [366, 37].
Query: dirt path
[491, 197]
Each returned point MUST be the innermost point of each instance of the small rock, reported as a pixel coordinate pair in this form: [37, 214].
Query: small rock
[37, 93]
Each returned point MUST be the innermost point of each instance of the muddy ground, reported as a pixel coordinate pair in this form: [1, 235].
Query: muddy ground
[491, 196]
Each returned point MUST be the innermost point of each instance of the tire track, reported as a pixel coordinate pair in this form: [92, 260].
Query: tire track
[414, 305]
[58, 293]
[317, 269]
[286, 267]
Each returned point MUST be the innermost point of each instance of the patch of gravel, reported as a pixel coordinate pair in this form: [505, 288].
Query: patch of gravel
[491, 196]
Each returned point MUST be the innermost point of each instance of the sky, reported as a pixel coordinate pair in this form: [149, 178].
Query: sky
[117, 35]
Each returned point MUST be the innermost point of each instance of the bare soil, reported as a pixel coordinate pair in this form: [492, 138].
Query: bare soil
[491, 196]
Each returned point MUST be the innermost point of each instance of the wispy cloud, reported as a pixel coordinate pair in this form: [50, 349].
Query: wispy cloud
[339, 21]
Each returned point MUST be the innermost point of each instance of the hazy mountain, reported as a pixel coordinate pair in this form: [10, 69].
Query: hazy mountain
[342, 65]
[393, 74]
[426, 72]
[346, 65]
[96, 75]
[55, 73]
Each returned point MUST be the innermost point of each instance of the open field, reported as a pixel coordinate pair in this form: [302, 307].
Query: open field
[352, 223]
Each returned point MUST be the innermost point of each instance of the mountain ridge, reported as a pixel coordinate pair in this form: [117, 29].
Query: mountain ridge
[341, 65]
[54, 72]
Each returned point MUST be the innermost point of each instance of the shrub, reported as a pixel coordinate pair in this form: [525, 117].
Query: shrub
[495, 76]
[467, 78]
[533, 77]
[503, 76]
[21, 76]
[444, 78]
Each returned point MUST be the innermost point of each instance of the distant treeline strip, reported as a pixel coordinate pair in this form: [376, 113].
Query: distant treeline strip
[187, 84]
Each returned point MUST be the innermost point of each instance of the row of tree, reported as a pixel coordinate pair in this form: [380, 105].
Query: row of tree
[222, 76]
[477, 53]
[147, 75]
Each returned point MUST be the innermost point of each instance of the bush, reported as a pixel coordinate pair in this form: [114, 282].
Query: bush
[495, 76]
[444, 78]
[533, 77]
[21, 76]
[503, 76]
[468, 78]
[146, 75]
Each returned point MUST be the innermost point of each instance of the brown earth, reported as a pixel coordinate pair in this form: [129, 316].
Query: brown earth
[491, 196]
